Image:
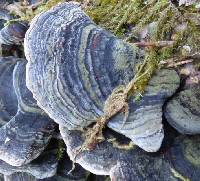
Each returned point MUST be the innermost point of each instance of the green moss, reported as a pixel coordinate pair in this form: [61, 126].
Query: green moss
[61, 149]
[117, 15]
[145, 70]
[114, 9]
[166, 53]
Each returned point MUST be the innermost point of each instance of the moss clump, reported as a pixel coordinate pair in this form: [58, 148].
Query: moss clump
[61, 149]
[146, 69]
[118, 16]
[172, 23]
[113, 14]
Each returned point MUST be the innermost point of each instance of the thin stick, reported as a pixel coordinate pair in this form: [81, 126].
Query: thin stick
[180, 63]
[154, 44]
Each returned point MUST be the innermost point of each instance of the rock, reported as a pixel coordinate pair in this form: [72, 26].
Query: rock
[74, 65]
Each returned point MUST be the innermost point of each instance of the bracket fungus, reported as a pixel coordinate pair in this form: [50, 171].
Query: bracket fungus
[179, 160]
[44, 166]
[84, 96]
[25, 129]
[13, 33]
[182, 111]
[74, 65]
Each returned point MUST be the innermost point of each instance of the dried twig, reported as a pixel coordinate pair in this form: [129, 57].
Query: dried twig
[175, 63]
[154, 44]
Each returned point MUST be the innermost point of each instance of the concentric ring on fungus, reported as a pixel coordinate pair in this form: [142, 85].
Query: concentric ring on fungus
[25, 129]
[74, 65]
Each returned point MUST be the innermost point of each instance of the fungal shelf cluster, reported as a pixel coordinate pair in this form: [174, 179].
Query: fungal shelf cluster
[52, 99]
